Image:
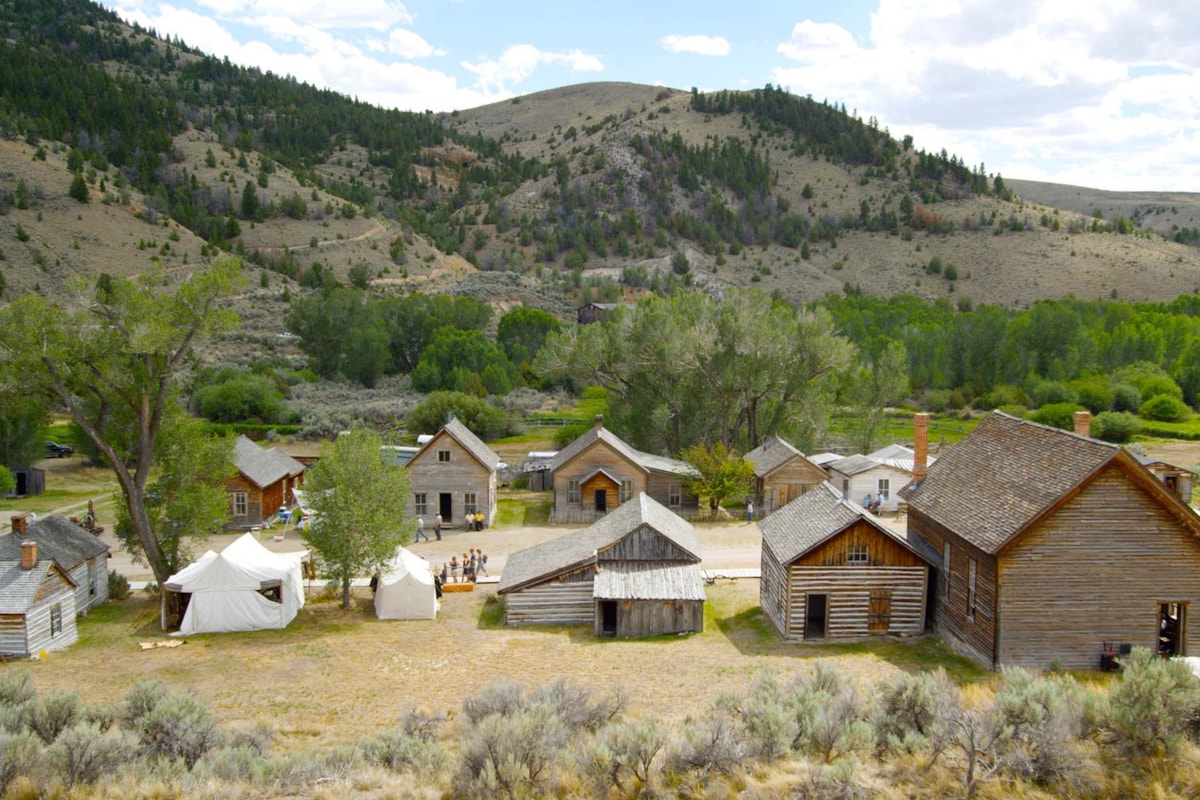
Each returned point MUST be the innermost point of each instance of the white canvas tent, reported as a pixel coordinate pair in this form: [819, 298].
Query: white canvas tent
[405, 589]
[226, 589]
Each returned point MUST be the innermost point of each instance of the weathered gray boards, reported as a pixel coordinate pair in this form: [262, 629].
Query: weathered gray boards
[781, 474]
[453, 474]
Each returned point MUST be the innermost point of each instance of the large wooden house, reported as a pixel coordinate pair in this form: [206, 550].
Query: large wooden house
[81, 555]
[263, 484]
[453, 474]
[781, 474]
[831, 570]
[37, 604]
[599, 471]
[636, 572]
[1052, 548]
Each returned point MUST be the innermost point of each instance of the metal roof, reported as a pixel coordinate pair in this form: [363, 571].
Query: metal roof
[57, 538]
[648, 580]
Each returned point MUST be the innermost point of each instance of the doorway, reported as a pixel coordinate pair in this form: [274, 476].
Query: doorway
[816, 616]
[608, 617]
[1172, 633]
[601, 501]
[444, 507]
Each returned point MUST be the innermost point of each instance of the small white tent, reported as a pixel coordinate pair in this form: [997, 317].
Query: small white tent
[405, 589]
[227, 589]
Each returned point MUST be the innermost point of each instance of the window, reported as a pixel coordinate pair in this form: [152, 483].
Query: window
[239, 504]
[420, 504]
[443, 456]
[675, 495]
[626, 491]
[469, 504]
[879, 610]
[885, 489]
[572, 491]
[55, 619]
[971, 589]
[856, 554]
[92, 579]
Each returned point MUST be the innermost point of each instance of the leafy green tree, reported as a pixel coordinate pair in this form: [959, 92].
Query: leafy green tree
[454, 355]
[523, 331]
[250, 208]
[115, 362]
[358, 502]
[1164, 408]
[720, 474]
[237, 396]
[1115, 426]
[23, 416]
[7, 481]
[79, 188]
[1057, 415]
[870, 389]
[481, 417]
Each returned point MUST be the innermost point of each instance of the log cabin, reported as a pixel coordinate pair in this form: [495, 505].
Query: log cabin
[82, 555]
[37, 605]
[453, 474]
[263, 484]
[831, 570]
[1052, 549]
[635, 572]
[599, 471]
[781, 474]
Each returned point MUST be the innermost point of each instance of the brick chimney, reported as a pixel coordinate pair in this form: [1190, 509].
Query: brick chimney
[599, 421]
[920, 446]
[19, 523]
[1083, 423]
[28, 555]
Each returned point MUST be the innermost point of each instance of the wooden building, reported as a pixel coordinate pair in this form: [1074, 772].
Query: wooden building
[598, 472]
[1177, 479]
[37, 604]
[82, 555]
[636, 572]
[830, 570]
[263, 484]
[781, 474]
[453, 474]
[1050, 545]
[29, 481]
[592, 312]
[858, 476]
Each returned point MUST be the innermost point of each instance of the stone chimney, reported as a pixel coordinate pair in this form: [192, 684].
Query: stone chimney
[920, 446]
[1083, 423]
[19, 523]
[599, 421]
[28, 555]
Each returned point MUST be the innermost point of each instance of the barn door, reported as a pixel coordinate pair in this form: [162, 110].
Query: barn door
[816, 616]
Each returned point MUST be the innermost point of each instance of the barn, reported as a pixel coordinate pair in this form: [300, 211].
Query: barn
[636, 572]
[830, 570]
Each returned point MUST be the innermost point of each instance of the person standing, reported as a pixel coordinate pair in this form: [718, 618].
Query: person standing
[421, 534]
[454, 569]
[437, 526]
[481, 565]
[749, 511]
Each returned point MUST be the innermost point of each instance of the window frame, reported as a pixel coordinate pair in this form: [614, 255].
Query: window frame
[626, 492]
[242, 500]
[883, 487]
[470, 503]
[574, 492]
[675, 495]
[420, 503]
[858, 554]
[972, 593]
[443, 456]
[56, 622]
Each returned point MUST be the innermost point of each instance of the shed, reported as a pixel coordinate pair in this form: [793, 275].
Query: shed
[37, 605]
[452, 474]
[636, 572]
[80, 554]
[30, 481]
[830, 570]
[405, 589]
[592, 312]
[781, 474]
[263, 484]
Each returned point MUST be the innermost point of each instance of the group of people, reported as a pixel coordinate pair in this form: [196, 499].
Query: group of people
[873, 502]
[474, 522]
[472, 565]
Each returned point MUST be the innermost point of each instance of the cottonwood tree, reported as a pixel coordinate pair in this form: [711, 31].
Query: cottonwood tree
[112, 364]
[720, 474]
[358, 502]
[870, 388]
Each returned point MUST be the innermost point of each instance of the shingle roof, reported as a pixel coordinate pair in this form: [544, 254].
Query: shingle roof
[19, 587]
[771, 455]
[263, 467]
[813, 518]
[1004, 475]
[647, 461]
[485, 455]
[580, 547]
[648, 580]
[57, 538]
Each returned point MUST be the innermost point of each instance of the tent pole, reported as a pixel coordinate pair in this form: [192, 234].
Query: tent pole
[162, 608]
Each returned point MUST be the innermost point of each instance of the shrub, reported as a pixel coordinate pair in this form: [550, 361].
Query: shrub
[54, 714]
[623, 756]
[1047, 392]
[1126, 397]
[1116, 426]
[912, 711]
[1041, 717]
[1149, 710]
[711, 744]
[118, 586]
[238, 396]
[569, 433]
[1002, 395]
[143, 698]
[1057, 415]
[1164, 408]
[481, 417]
[20, 756]
[179, 726]
[574, 705]
[1094, 394]
[401, 751]
[234, 765]
[511, 754]
[16, 689]
[83, 753]
[831, 715]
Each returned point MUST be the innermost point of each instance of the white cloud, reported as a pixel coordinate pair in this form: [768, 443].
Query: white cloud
[519, 61]
[700, 45]
[376, 14]
[406, 44]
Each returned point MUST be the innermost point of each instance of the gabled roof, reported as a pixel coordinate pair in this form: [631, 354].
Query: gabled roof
[813, 518]
[19, 587]
[771, 455]
[578, 549]
[823, 459]
[648, 580]
[646, 461]
[852, 465]
[485, 455]
[57, 538]
[263, 467]
[892, 451]
[1003, 476]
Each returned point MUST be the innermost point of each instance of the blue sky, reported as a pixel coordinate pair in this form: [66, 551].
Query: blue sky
[1104, 95]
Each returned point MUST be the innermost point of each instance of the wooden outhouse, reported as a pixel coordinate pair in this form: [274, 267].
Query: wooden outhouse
[599, 471]
[263, 484]
[830, 570]
[636, 572]
[781, 474]
[82, 555]
[1053, 548]
[453, 474]
[37, 604]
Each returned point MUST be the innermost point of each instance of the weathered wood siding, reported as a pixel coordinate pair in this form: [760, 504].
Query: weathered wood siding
[22, 635]
[91, 578]
[658, 486]
[1096, 570]
[849, 596]
[599, 484]
[597, 456]
[882, 550]
[461, 475]
[787, 482]
[867, 482]
[646, 544]
[772, 591]
[13, 641]
[973, 635]
[640, 618]
[254, 502]
[566, 600]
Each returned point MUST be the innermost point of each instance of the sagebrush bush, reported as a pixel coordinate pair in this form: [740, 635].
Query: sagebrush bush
[1152, 705]
[55, 713]
[242, 764]
[83, 753]
[622, 755]
[20, 756]
[711, 744]
[16, 688]
[141, 700]
[401, 751]
[574, 705]
[911, 711]
[512, 754]
[179, 726]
